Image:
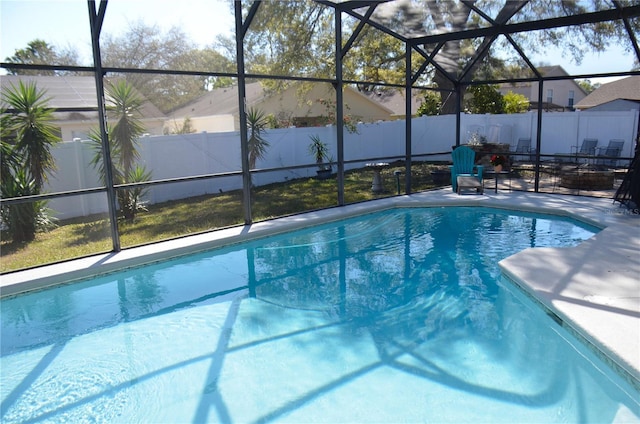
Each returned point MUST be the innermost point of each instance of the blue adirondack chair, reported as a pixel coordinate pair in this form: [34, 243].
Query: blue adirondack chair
[464, 165]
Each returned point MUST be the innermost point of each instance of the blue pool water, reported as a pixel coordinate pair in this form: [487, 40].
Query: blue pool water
[396, 316]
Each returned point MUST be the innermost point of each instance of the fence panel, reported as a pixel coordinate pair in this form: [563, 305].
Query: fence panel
[206, 153]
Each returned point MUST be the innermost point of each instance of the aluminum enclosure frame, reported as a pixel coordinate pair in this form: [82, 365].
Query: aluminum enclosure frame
[623, 11]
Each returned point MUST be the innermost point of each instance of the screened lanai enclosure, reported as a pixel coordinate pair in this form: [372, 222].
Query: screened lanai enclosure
[156, 120]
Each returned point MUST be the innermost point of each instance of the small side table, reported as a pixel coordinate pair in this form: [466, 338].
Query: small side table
[496, 177]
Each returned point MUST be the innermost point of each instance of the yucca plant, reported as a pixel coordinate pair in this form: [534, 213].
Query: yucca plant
[130, 199]
[27, 133]
[29, 124]
[124, 109]
[8, 159]
[23, 220]
[256, 124]
[319, 150]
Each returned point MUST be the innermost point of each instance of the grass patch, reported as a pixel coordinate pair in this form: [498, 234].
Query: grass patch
[91, 235]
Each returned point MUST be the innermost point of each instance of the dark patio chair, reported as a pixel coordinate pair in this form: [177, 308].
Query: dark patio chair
[588, 148]
[523, 151]
[607, 154]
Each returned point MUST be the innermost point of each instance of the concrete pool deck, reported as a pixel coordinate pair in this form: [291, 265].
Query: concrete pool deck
[593, 288]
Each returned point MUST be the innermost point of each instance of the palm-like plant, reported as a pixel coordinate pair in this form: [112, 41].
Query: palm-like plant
[124, 109]
[130, 199]
[20, 218]
[8, 158]
[30, 125]
[257, 145]
[319, 150]
[27, 134]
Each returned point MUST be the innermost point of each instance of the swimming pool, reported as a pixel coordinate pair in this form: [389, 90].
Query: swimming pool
[400, 315]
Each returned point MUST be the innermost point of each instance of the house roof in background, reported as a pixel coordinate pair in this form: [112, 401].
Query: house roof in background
[75, 94]
[394, 100]
[622, 89]
[552, 71]
[220, 101]
[545, 71]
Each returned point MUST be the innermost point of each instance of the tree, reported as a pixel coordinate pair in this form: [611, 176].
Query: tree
[27, 137]
[39, 52]
[587, 86]
[294, 38]
[515, 103]
[124, 104]
[287, 37]
[186, 127]
[143, 47]
[256, 123]
[431, 104]
[448, 16]
[349, 121]
[485, 99]
[30, 125]
[146, 47]
[297, 38]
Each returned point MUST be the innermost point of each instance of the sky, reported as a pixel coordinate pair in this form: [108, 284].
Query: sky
[201, 20]
[64, 23]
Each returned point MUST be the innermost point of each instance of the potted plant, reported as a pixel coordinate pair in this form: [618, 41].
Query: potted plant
[498, 162]
[320, 152]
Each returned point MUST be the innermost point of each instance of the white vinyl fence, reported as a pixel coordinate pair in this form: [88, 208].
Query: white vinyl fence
[207, 153]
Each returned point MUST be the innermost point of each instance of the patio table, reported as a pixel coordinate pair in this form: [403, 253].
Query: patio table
[496, 177]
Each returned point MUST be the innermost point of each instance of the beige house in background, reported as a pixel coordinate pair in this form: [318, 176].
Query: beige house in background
[557, 95]
[394, 100]
[298, 106]
[74, 99]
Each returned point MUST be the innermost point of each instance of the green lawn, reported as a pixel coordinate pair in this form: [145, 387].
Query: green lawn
[90, 235]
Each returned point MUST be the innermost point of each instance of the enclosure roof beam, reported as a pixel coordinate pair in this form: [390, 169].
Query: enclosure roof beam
[357, 31]
[430, 60]
[346, 6]
[349, 7]
[564, 21]
[630, 32]
[247, 22]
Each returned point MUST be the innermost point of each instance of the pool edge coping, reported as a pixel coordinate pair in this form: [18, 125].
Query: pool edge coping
[49, 275]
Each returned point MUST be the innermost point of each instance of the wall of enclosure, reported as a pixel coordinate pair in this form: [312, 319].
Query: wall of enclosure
[188, 155]
[172, 77]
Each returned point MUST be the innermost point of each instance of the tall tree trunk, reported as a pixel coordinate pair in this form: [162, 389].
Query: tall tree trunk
[449, 57]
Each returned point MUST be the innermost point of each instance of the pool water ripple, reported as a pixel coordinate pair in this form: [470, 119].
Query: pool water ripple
[399, 315]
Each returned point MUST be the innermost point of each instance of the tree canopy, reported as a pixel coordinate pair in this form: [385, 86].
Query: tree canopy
[515, 103]
[39, 52]
[295, 38]
[147, 47]
[485, 99]
[291, 38]
[143, 46]
[431, 104]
